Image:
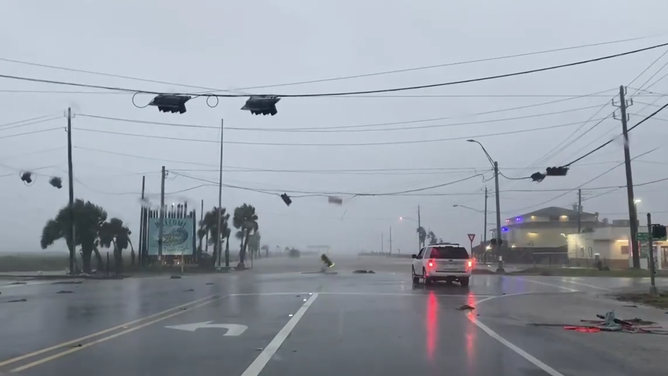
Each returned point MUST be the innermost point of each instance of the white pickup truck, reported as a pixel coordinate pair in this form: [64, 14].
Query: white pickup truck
[442, 262]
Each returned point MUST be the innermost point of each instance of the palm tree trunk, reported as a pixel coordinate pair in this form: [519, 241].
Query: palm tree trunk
[244, 246]
[86, 253]
[98, 259]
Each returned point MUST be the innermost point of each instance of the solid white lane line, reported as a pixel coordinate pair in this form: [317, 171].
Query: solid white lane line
[549, 370]
[548, 284]
[585, 284]
[530, 358]
[261, 361]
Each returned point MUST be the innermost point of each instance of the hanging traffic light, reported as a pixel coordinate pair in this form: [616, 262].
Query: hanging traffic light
[56, 182]
[326, 260]
[170, 103]
[26, 177]
[262, 104]
[557, 171]
[286, 199]
[537, 177]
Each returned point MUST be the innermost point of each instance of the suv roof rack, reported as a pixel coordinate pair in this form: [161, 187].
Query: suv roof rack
[444, 243]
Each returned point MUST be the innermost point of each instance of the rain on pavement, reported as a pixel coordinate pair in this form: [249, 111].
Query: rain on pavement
[290, 323]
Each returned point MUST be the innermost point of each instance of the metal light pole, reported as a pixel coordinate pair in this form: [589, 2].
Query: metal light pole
[495, 165]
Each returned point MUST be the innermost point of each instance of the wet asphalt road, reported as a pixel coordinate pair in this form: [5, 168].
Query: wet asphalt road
[306, 324]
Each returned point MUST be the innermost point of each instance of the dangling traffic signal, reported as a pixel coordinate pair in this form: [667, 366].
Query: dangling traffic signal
[557, 171]
[286, 199]
[170, 103]
[326, 260]
[262, 105]
[26, 177]
[537, 177]
[56, 182]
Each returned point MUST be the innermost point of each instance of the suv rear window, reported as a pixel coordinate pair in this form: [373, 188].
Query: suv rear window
[449, 253]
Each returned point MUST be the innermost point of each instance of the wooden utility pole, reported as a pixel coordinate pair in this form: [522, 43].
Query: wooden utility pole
[161, 227]
[142, 227]
[579, 210]
[70, 177]
[633, 215]
[390, 240]
[420, 245]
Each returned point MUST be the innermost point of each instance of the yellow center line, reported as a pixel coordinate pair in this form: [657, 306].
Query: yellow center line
[104, 339]
[76, 341]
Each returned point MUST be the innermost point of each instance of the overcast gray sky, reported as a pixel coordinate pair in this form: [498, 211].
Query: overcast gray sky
[234, 44]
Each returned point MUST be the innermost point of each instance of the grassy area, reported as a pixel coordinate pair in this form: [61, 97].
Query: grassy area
[588, 272]
[643, 298]
[31, 263]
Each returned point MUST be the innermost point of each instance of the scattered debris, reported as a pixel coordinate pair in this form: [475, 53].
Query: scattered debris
[77, 345]
[209, 283]
[189, 290]
[18, 283]
[17, 301]
[67, 283]
[465, 307]
[630, 306]
[259, 349]
[64, 292]
[610, 323]
[583, 329]
[175, 277]
[363, 271]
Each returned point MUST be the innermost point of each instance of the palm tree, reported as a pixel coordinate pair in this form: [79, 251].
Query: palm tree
[422, 235]
[115, 233]
[254, 244]
[88, 218]
[245, 220]
[209, 227]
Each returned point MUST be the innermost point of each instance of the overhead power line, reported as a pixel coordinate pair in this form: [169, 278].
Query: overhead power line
[329, 79]
[29, 133]
[340, 129]
[360, 92]
[506, 133]
[610, 141]
[214, 167]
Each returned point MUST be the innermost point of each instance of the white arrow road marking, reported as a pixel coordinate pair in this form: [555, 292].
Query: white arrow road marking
[232, 329]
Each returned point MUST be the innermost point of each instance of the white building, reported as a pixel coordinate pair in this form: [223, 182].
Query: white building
[612, 244]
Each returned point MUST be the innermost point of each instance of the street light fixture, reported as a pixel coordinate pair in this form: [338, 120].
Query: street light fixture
[495, 165]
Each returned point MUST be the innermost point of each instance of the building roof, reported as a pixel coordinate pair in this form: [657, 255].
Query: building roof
[555, 211]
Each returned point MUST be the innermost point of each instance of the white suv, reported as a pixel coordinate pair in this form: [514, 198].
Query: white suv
[442, 262]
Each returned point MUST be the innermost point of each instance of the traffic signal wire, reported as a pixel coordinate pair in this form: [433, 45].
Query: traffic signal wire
[330, 79]
[357, 194]
[587, 182]
[365, 171]
[361, 92]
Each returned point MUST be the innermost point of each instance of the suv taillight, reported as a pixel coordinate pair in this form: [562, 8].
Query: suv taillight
[430, 263]
[470, 264]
